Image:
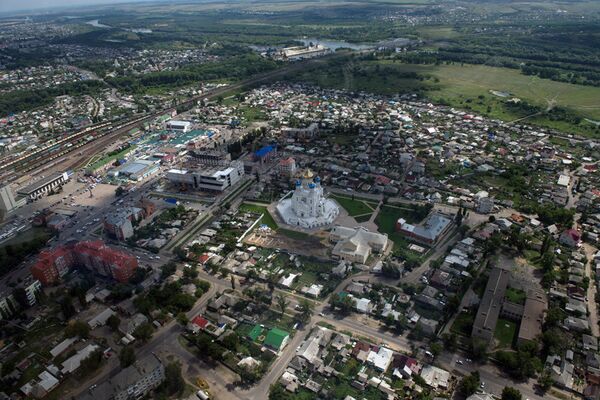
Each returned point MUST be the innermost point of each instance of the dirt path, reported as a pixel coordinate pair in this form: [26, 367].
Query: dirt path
[591, 292]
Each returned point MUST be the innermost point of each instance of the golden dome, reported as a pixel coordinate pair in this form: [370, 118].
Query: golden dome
[308, 174]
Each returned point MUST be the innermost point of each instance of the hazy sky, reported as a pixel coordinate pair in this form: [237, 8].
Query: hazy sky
[18, 5]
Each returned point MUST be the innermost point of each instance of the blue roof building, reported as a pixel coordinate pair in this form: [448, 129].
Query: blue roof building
[265, 153]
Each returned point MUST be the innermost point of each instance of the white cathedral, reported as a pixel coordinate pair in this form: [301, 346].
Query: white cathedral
[307, 208]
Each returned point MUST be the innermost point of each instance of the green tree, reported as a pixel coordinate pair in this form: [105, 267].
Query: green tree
[435, 348]
[469, 384]
[521, 364]
[231, 341]
[554, 317]
[545, 381]
[546, 244]
[390, 320]
[390, 271]
[271, 280]
[510, 393]
[174, 383]
[126, 356]
[401, 324]
[555, 340]
[282, 303]
[249, 375]
[77, 328]
[277, 392]
[450, 341]
[143, 332]
[344, 304]
[459, 217]
[547, 261]
[66, 307]
[167, 270]
[190, 273]
[113, 322]
[92, 362]
[208, 348]
[305, 309]
[478, 349]
[182, 319]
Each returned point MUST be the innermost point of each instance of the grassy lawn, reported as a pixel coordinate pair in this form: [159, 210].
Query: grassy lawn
[516, 295]
[463, 324]
[243, 329]
[388, 215]
[437, 32]
[266, 219]
[505, 333]
[253, 114]
[274, 319]
[354, 206]
[306, 279]
[532, 257]
[475, 80]
[386, 221]
[457, 83]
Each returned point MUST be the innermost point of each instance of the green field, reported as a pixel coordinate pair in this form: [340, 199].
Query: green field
[516, 296]
[266, 219]
[386, 222]
[473, 80]
[253, 114]
[505, 332]
[355, 206]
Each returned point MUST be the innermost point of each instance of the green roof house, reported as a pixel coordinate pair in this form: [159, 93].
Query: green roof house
[276, 339]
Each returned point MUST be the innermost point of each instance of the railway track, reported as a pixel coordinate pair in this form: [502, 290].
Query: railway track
[106, 133]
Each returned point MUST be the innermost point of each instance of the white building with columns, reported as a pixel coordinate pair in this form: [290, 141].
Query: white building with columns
[308, 207]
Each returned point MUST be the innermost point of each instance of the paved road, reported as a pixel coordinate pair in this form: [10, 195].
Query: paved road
[413, 276]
